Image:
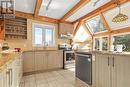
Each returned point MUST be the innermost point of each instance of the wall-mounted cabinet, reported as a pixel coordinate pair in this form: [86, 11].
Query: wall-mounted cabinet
[66, 30]
[16, 28]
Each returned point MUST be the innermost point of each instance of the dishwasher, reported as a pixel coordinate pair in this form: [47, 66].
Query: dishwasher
[84, 67]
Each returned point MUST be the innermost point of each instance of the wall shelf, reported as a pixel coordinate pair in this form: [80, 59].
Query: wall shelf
[16, 28]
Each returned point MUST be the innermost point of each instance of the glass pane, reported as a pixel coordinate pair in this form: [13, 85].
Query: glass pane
[81, 35]
[49, 37]
[96, 25]
[38, 36]
[104, 43]
[97, 44]
[124, 40]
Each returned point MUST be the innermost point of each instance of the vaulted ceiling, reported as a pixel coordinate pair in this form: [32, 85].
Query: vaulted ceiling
[63, 10]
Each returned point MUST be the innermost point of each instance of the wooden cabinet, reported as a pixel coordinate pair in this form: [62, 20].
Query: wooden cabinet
[42, 61]
[11, 75]
[65, 27]
[103, 70]
[28, 62]
[112, 70]
[16, 28]
[121, 71]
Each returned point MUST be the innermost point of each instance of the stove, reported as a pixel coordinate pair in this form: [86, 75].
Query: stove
[69, 59]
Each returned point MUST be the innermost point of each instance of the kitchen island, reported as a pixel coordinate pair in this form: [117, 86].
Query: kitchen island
[110, 69]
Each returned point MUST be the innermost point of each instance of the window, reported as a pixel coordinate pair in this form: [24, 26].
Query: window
[81, 35]
[122, 39]
[96, 25]
[101, 44]
[43, 35]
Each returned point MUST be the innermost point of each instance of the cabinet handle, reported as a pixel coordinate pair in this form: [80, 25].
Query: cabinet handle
[8, 74]
[113, 62]
[108, 61]
[11, 76]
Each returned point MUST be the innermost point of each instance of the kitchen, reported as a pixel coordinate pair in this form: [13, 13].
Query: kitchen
[63, 43]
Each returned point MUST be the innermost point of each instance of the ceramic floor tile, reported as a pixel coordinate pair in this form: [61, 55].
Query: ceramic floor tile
[60, 78]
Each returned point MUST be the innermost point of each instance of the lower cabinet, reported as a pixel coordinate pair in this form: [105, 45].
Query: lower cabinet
[12, 73]
[112, 70]
[42, 61]
[121, 71]
[103, 69]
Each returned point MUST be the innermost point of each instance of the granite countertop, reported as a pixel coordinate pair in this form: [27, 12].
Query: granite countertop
[6, 58]
[105, 52]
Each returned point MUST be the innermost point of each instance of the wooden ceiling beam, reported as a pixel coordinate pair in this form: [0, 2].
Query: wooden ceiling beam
[110, 5]
[77, 27]
[39, 18]
[37, 7]
[89, 32]
[105, 22]
[80, 4]
[118, 31]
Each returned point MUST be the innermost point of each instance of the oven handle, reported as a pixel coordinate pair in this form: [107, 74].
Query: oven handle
[83, 55]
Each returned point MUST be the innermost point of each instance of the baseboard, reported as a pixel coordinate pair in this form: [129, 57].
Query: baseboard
[40, 71]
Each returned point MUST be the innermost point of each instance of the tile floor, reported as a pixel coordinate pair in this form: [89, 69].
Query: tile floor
[60, 78]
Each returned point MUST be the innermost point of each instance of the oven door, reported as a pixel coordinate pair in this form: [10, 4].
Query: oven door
[69, 58]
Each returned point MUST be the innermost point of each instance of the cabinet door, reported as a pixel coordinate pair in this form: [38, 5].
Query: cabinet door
[102, 71]
[38, 61]
[60, 59]
[52, 59]
[121, 71]
[1, 79]
[28, 62]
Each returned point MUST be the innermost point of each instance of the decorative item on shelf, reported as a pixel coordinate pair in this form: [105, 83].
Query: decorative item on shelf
[120, 17]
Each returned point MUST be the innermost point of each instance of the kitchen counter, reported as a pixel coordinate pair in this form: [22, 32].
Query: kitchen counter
[105, 52]
[6, 58]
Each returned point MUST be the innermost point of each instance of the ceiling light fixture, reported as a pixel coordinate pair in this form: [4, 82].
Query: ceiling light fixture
[48, 5]
[120, 17]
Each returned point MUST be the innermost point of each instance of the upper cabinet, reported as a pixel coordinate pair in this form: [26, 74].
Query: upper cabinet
[95, 25]
[109, 15]
[65, 29]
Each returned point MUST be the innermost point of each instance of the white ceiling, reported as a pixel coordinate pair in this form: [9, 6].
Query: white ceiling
[87, 9]
[58, 8]
[27, 6]
[109, 15]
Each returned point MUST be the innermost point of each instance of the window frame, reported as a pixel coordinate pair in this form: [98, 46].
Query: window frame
[117, 35]
[89, 27]
[44, 27]
[100, 44]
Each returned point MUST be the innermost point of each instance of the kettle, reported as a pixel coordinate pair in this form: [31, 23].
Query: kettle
[120, 47]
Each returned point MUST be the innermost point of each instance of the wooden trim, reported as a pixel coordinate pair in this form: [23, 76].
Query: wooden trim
[101, 34]
[76, 29]
[39, 18]
[110, 5]
[124, 30]
[87, 29]
[37, 7]
[118, 31]
[74, 9]
[105, 22]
